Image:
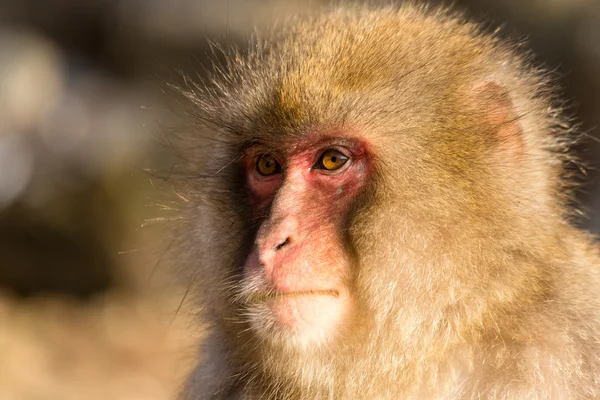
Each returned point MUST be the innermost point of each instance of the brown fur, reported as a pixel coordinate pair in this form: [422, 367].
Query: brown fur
[471, 282]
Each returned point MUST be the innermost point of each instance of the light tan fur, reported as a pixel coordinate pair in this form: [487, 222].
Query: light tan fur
[470, 282]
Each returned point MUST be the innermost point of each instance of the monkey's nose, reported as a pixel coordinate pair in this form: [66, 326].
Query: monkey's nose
[275, 237]
[270, 255]
[282, 243]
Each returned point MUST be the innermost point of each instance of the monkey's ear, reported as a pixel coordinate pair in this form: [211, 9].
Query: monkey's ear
[495, 108]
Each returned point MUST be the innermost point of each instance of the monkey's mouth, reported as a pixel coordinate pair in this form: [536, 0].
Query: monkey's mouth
[262, 297]
[303, 314]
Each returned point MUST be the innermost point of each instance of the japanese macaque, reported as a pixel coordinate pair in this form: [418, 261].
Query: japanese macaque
[377, 209]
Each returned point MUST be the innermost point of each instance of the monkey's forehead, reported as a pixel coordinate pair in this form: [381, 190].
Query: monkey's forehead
[337, 68]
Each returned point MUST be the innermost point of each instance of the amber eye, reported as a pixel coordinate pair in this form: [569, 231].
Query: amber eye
[267, 165]
[332, 160]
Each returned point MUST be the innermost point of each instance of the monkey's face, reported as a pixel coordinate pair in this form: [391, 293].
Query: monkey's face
[297, 278]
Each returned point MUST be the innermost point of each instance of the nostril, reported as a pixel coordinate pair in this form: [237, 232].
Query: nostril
[280, 245]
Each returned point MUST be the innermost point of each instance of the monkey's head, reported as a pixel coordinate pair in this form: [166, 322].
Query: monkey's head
[355, 174]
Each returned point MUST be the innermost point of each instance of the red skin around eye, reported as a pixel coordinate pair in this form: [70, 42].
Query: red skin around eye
[335, 188]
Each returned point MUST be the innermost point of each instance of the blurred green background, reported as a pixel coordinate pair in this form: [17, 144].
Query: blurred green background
[83, 311]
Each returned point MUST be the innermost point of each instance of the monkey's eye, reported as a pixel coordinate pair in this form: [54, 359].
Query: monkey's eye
[266, 165]
[331, 160]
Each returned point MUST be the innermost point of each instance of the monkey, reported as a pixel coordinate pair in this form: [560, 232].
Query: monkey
[377, 205]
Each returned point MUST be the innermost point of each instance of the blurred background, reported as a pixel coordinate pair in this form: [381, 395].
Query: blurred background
[85, 309]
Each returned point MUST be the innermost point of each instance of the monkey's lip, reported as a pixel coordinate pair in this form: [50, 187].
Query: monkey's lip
[261, 297]
[301, 313]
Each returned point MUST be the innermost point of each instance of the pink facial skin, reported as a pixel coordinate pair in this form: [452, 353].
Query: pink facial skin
[298, 257]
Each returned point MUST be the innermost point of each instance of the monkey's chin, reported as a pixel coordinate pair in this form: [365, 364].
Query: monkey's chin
[301, 318]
